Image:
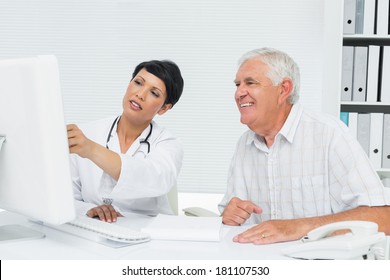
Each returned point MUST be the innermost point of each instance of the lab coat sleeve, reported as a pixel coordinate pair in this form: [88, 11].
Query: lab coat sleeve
[153, 175]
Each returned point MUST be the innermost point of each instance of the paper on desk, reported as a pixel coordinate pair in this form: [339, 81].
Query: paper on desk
[168, 227]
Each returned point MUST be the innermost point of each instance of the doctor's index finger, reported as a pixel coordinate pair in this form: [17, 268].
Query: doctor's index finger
[71, 127]
[73, 131]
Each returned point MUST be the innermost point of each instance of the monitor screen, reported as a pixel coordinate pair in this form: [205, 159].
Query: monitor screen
[35, 176]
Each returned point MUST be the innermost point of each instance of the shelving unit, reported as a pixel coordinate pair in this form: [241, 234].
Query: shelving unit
[358, 40]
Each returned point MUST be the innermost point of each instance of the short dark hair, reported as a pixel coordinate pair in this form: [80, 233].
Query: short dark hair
[169, 73]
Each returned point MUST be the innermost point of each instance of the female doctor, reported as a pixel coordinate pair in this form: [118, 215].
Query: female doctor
[129, 163]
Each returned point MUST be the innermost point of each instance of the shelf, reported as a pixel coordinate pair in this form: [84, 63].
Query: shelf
[365, 40]
[353, 103]
[384, 172]
[365, 107]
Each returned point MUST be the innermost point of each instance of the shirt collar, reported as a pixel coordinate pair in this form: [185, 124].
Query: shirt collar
[288, 129]
[290, 126]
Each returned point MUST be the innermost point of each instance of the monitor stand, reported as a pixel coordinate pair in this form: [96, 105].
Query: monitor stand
[18, 233]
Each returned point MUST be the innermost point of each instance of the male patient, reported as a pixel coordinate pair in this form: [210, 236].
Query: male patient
[294, 170]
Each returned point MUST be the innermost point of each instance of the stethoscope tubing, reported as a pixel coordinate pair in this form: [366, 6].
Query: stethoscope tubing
[145, 141]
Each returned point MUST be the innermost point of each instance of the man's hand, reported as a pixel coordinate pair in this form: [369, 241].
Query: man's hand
[105, 213]
[238, 211]
[286, 230]
[274, 231]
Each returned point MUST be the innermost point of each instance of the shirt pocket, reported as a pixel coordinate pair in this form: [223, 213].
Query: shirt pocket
[310, 197]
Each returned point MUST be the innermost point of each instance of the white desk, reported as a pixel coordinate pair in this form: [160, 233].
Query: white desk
[62, 246]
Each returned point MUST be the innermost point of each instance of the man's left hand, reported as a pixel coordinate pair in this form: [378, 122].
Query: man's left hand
[273, 231]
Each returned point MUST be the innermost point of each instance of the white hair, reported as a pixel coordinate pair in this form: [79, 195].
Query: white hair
[280, 66]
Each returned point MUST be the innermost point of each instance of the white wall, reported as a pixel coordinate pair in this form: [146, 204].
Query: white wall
[99, 42]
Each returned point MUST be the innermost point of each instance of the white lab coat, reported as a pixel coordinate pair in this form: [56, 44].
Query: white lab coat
[145, 178]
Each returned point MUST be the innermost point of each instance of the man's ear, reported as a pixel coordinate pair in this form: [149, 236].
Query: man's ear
[286, 87]
[164, 109]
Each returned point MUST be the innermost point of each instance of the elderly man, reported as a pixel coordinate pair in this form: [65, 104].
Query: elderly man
[294, 170]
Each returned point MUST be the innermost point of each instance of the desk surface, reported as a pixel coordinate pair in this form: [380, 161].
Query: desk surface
[63, 246]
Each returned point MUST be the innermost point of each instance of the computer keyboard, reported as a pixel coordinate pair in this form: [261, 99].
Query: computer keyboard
[102, 232]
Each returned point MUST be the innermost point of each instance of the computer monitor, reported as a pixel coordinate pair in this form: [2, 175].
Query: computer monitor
[35, 176]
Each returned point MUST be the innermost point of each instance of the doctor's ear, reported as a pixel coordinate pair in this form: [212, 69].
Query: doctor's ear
[164, 109]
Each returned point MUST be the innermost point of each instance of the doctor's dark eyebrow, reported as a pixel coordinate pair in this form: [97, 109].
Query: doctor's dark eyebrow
[143, 79]
[139, 76]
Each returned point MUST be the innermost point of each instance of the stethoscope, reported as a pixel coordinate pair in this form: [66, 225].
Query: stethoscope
[144, 141]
